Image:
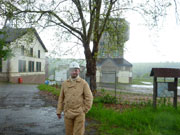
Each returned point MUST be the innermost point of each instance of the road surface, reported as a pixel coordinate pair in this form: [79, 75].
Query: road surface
[24, 112]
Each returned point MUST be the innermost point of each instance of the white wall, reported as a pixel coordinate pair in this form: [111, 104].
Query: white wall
[98, 75]
[16, 49]
[61, 75]
[4, 66]
[123, 76]
[25, 40]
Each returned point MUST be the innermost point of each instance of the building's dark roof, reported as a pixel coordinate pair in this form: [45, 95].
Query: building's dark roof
[165, 72]
[117, 61]
[11, 34]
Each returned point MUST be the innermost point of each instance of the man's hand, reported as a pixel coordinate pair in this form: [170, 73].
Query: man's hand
[59, 116]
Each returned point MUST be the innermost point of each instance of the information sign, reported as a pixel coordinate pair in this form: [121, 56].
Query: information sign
[162, 90]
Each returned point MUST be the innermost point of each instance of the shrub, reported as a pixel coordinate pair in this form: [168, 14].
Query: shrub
[108, 99]
[51, 89]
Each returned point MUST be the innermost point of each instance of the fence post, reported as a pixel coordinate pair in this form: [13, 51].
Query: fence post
[115, 86]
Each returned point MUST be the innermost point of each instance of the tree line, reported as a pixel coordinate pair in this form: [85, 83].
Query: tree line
[141, 70]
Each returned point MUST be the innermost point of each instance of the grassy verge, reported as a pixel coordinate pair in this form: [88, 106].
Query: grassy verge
[137, 121]
[51, 89]
[138, 81]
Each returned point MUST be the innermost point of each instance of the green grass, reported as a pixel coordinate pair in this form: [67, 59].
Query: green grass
[139, 120]
[53, 90]
[138, 81]
[165, 120]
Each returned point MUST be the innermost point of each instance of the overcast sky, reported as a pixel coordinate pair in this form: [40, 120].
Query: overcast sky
[146, 46]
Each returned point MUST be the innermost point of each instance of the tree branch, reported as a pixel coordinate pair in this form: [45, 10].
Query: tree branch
[79, 7]
[91, 23]
[98, 33]
[55, 15]
[59, 4]
[97, 17]
[66, 25]
[69, 30]
[176, 11]
[107, 16]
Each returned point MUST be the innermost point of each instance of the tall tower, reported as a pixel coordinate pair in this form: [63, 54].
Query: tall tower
[111, 44]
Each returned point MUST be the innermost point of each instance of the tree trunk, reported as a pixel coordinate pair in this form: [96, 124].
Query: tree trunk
[91, 74]
[91, 69]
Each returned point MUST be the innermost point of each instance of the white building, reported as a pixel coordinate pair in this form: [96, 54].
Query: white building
[28, 60]
[110, 70]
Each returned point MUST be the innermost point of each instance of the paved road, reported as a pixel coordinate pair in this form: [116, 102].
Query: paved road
[24, 112]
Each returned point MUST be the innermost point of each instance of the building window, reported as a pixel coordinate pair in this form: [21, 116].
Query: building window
[38, 66]
[105, 34]
[0, 64]
[22, 66]
[115, 53]
[127, 68]
[22, 50]
[101, 43]
[103, 54]
[122, 68]
[31, 52]
[31, 66]
[39, 54]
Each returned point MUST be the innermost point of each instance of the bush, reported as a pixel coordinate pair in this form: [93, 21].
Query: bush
[53, 90]
[108, 99]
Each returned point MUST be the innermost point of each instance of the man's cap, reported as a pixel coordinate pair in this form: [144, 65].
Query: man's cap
[74, 65]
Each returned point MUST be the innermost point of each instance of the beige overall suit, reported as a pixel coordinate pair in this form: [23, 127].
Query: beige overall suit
[75, 100]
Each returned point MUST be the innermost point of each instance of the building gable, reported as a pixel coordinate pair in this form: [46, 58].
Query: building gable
[12, 34]
[117, 61]
[108, 65]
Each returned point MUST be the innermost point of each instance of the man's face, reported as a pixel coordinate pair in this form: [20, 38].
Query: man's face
[74, 72]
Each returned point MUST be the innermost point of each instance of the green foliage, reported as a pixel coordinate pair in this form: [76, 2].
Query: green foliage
[108, 99]
[5, 50]
[164, 120]
[105, 98]
[138, 81]
[48, 88]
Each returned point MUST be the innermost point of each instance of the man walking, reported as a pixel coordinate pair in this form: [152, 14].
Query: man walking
[75, 100]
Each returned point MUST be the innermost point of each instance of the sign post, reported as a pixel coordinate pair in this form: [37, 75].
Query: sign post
[165, 89]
